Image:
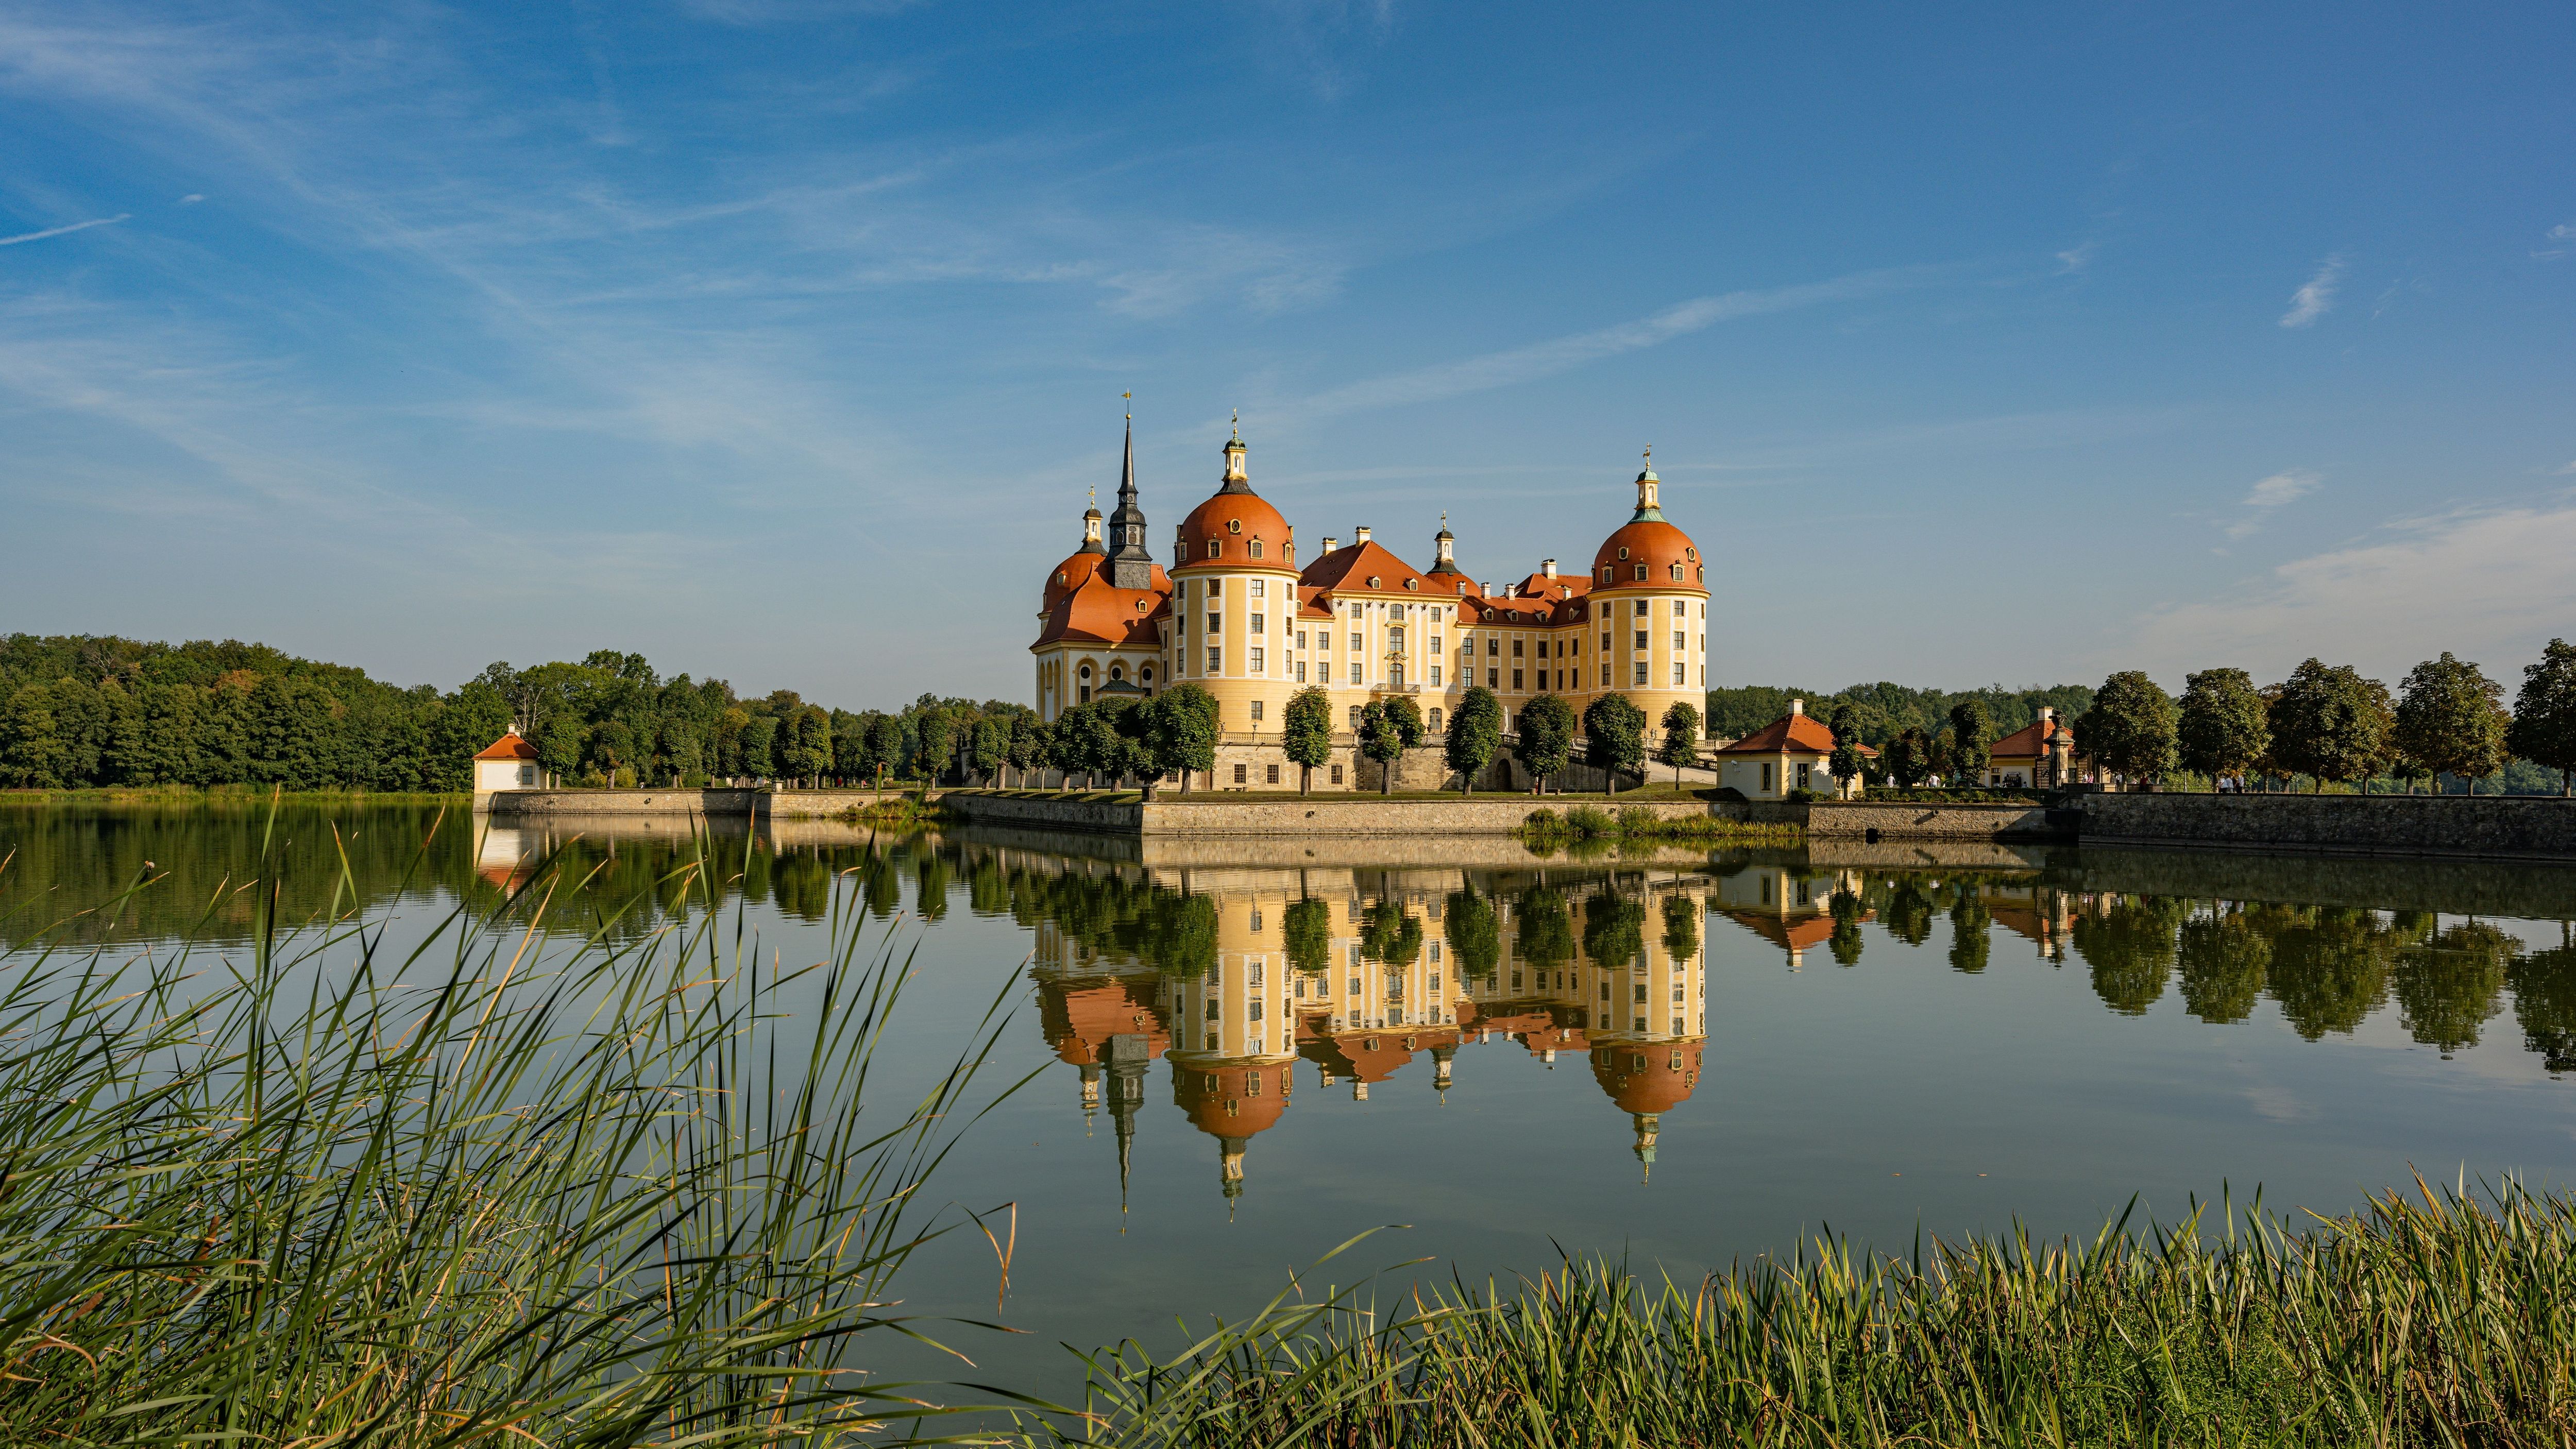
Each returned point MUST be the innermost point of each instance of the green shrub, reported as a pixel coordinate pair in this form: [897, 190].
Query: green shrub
[1589, 820]
[1543, 822]
[1638, 820]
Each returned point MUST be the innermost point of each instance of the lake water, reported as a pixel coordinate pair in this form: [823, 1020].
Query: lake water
[1246, 1054]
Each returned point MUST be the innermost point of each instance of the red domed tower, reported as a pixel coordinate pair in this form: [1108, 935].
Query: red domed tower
[1647, 1079]
[1101, 610]
[1649, 599]
[1234, 601]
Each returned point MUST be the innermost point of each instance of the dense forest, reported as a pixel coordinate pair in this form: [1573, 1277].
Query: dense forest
[1883, 710]
[83, 711]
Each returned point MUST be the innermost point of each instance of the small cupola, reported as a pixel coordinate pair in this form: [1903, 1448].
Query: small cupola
[1236, 479]
[1649, 508]
[1091, 540]
[1443, 543]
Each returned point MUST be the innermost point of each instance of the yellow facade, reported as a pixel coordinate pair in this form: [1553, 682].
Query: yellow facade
[1240, 618]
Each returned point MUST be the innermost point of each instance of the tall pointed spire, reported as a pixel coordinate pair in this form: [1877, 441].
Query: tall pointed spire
[1131, 564]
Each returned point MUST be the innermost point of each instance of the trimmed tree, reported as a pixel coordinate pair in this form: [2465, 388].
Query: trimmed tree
[2451, 720]
[1847, 761]
[1306, 933]
[2329, 723]
[992, 747]
[2225, 728]
[1406, 717]
[1475, 732]
[1907, 760]
[1027, 743]
[1972, 739]
[2130, 728]
[1544, 740]
[1614, 737]
[1474, 934]
[1382, 742]
[2544, 714]
[1680, 744]
[1306, 734]
[1184, 731]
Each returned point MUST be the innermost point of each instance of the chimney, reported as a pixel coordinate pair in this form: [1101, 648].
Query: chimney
[1797, 706]
[1331, 543]
[1360, 534]
[1547, 566]
[2045, 715]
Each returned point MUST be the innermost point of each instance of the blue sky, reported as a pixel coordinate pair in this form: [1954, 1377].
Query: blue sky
[779, 339]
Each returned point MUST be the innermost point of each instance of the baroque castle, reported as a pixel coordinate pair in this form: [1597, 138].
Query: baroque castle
[1239, 615]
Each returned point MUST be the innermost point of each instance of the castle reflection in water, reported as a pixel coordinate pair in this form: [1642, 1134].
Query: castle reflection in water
[1243, 978]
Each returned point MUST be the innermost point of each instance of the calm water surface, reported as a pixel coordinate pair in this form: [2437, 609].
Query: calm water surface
[1249, 1054]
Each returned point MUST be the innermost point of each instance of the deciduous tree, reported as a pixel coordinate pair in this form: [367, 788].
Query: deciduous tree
[1614, 737]
[1306, 734]
[1680, 744]
[2451, 720]
[2224, 729]
[2544, 714]
[1475, 732]
[2330, 723]
[1972, 740]
[2130, 728]
[1545, 739]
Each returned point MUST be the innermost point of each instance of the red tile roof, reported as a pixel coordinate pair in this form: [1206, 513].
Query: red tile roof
[1099, 613]
[2027, 743]
[1350, 568]
[508, 747]
[1795, 734]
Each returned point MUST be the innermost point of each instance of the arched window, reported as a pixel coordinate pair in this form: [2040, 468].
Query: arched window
[1117, 672]
[1256, 553]
[1145, 675]
[1355, 716]
[1435, 718]
[1677, 573]
[1605, 576]
[1084, 673]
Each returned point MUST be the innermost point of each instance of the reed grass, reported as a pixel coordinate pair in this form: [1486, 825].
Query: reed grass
[491, 1189]
[2449, 1320]
[1590, 822]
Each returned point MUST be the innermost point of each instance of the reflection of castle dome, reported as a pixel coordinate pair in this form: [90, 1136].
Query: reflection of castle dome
[1647, 1077]
[1079, 1019]
[1647, 542]
[1230, 1104]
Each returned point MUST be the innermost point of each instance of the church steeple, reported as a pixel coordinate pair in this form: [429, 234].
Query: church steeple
[1131, 564]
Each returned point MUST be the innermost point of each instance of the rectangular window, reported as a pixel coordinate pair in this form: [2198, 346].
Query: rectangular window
[1256, 708]
[1216, 623]
[1215, 587]
[1261, 587]
[1301, 638]
[1578, 646]
[1256, 661]
[1493, 646]
[1680, 640]
[1435, 676]
[1516, 646]
[1435, 643]
[1681, 610]
[1493, 679]
[1355, 671]
[1641, 639]
[1215, 666]
[1337, 779]
[1605, 676]
[1641, 671]
[1641, 993]
[1358, 644]
[1605, 641]
[1802, 784]
[1270, 774]
[1301, 671]
[1256, 628]
[1516, 681]
[1681, 674]
[1640, 610]
[1766, 789]
[1703, 643]
[1238, 774]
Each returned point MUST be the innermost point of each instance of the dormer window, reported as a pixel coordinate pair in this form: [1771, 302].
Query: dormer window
[1605, 573]
[1256, 548]
[1413, 583]
[1641, 573]
[1623, 551]
[1216, 548]
[1677, 573]
[1234, 525]
[1374, 581]
[1692, 554]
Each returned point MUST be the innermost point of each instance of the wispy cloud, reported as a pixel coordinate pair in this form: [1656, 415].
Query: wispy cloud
[11, 241]
[2076, 258]
[2568, 471]
[2316, 298]
[2486, 583]
[1560, 354]
[2271, 495]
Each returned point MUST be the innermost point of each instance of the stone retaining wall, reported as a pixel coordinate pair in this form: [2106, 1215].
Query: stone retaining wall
[1902, 820]
[2488, 827]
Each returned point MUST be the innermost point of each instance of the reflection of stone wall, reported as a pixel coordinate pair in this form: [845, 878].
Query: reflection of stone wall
[2510, 827]
[616, 802]
[2459, 887]
[1896, 819]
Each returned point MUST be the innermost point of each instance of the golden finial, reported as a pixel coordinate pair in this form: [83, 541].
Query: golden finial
[1236, 423]
[1650, 455]
[1130, 399]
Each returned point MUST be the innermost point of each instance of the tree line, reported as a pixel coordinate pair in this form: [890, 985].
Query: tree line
[2330, 724]
[100, 711]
